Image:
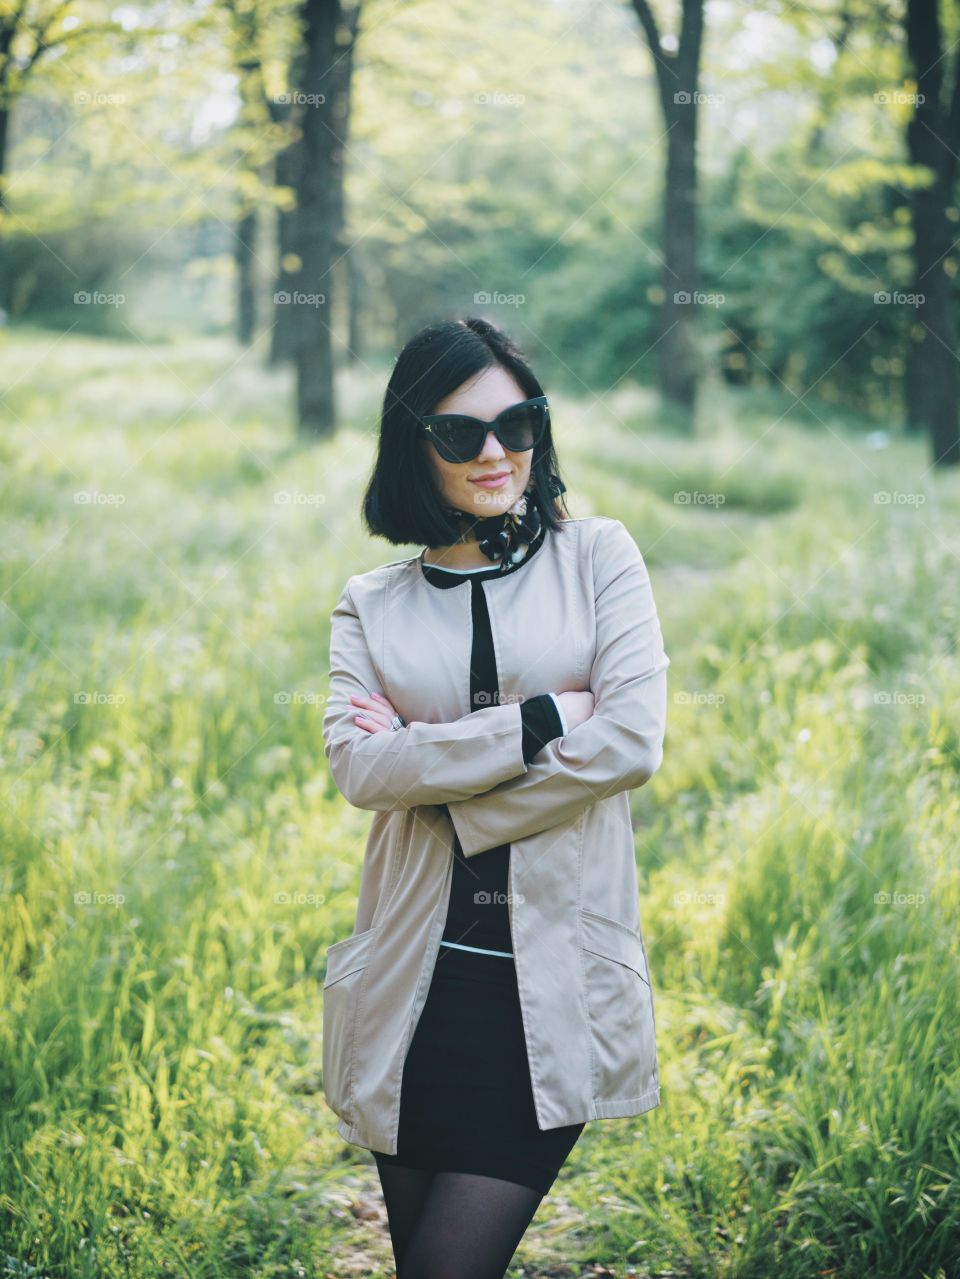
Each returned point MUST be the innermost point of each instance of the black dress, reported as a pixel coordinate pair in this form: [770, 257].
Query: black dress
[466, 1101]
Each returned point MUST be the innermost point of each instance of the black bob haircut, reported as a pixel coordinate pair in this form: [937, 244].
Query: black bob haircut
[402, 502]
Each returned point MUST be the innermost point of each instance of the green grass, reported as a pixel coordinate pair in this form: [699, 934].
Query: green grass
[176, 859]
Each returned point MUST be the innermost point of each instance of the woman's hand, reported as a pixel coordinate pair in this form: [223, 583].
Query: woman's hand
[577, 707]
[377, 713]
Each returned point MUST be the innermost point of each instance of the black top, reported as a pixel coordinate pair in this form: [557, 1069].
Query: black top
[477, 914]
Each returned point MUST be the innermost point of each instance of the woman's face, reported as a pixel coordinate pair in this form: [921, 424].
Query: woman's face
[484, 396]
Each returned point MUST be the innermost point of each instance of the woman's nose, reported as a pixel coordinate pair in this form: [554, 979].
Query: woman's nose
[492, 447]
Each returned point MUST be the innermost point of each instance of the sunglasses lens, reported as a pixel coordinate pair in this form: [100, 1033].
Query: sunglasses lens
[520, 427]
[457, 440]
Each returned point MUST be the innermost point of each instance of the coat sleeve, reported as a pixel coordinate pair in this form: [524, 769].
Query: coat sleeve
[419, 764]
[620, 746]
[542, 722]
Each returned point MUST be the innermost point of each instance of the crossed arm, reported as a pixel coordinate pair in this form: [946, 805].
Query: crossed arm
[421, 763]
[620, 746]
[482, 765]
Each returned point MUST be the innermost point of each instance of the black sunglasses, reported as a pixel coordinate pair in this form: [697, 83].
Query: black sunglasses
[459, 438]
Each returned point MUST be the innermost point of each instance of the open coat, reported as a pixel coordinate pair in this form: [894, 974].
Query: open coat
[580, 615]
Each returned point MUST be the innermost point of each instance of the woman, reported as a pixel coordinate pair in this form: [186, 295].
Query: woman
[492, 701]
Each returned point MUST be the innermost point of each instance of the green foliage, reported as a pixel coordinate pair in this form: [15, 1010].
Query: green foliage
[177, 859]
[518, 175]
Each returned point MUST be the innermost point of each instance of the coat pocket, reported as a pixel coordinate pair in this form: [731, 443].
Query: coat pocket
[620, 1005]
[346, 961]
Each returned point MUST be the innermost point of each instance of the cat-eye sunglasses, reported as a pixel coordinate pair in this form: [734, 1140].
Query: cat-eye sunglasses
[459, 438]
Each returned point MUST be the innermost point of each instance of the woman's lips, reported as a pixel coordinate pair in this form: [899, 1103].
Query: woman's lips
[493, 483]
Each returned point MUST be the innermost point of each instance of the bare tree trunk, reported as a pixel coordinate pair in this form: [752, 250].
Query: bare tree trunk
[309, 235]
[245, 256]
[312, 304]
[678, 86]
[355, 281]
[677, 364]
[342, 80]
[286, 167]
[245, 20]
[4, 253]
[932, 138]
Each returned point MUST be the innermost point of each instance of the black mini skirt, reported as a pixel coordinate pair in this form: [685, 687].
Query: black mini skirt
[466, 1101]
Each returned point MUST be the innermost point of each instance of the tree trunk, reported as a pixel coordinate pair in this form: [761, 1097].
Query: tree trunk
[677, 364]
[250, 71]
[342, 80]
[282, 347]
[354, 272]
[4, 223]
[309, 234]
[245, 255]
[678, 86]
[932, 139]
[311, 305]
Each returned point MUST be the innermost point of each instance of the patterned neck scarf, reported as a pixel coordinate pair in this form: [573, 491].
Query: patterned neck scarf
[504, 538]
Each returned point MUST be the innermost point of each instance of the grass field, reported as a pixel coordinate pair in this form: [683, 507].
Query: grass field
[176, 859]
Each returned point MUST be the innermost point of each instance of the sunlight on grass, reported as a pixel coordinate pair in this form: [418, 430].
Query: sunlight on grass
[177, 858]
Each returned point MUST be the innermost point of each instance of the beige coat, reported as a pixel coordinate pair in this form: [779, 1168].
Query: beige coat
[580, 615]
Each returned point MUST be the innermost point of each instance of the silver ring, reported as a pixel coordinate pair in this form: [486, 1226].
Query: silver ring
[398, 722]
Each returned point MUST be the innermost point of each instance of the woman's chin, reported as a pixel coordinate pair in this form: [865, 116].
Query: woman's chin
[492, 503]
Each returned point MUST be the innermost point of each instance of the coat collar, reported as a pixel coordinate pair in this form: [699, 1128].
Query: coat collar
[444, 578]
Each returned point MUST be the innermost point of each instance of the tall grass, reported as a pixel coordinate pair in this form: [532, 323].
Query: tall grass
[176, 859]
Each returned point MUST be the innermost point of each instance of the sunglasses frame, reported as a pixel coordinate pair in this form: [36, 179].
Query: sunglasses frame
[431, 420]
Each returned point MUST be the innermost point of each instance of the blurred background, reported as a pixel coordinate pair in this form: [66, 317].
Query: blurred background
[725, 236]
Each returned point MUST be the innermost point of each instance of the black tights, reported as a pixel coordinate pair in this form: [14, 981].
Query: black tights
[454, 1225]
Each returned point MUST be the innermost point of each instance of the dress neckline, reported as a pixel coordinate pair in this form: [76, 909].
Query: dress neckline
[445, 577]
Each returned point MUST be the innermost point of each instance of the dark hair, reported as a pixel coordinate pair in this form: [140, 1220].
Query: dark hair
[402, 502]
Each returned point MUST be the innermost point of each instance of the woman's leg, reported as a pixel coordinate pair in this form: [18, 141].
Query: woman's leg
[405, 1192]
[469, 1227]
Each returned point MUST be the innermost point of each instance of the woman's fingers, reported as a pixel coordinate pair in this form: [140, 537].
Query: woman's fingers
[376, 703]
[377, 713]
